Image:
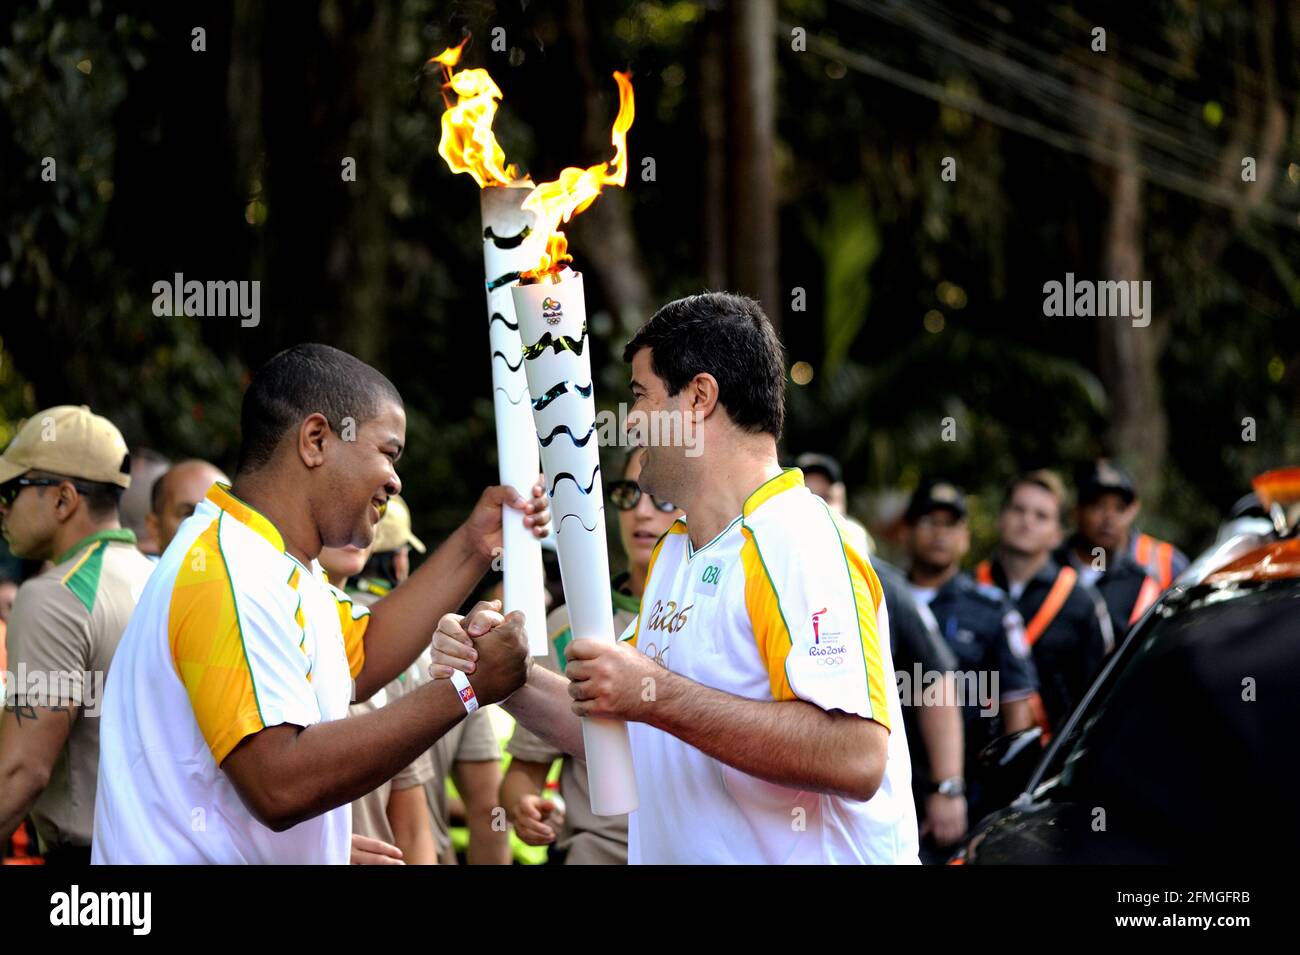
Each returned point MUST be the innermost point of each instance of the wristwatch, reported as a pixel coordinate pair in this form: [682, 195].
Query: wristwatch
[952, 786]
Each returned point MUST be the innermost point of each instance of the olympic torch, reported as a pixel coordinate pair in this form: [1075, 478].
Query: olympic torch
[509, 247]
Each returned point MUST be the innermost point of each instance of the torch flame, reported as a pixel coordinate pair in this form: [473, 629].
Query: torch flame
[576, 189]
[468, 143]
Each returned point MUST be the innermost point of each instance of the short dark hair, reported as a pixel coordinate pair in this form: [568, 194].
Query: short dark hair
[156, 492]
[1043, 478]
[301, 381]
[728, 337]
[101, 500]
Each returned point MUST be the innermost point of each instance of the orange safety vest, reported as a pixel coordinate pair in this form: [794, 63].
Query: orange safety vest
[1157, 557]
[1151, 589]
[1047, 611]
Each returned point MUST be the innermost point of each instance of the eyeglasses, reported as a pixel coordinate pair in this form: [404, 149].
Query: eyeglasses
[625, 495]
[11, 489]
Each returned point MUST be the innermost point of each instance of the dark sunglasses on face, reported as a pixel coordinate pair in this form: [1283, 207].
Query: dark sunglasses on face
[626, 495]
[11, 489]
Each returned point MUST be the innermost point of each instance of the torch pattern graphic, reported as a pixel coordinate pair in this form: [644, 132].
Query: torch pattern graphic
[509, 246]
[557, 362]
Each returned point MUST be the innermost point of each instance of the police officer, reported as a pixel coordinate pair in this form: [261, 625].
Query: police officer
[1106, 504]
[977, 620]
[1068, 627]
[924, 665]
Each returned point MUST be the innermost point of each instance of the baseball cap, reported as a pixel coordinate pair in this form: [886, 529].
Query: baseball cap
[394, 529]
[932, 495]
[71, 441]
[1101, 476]
[824, 463]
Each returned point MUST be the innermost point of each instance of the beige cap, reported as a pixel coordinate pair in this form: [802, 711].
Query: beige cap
[72, 441]
[394, 529]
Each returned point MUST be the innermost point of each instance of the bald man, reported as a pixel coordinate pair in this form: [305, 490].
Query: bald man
[176, 494]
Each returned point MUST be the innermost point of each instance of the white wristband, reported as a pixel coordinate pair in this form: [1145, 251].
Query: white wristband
[467, 696]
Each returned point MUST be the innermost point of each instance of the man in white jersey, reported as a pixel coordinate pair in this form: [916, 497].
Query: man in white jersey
[223, 737]
[774, 732]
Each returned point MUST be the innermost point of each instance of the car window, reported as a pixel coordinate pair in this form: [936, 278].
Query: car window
[1202, 713]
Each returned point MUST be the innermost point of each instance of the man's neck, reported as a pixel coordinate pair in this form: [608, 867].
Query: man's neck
[724, 486]
[931, 578]
[1084, 551]
[74, 532]
[301, 539]
[1020, 567]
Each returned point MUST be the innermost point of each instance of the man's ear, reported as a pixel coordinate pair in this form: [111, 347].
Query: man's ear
[703, 394]
[312, 435]
[66, 502]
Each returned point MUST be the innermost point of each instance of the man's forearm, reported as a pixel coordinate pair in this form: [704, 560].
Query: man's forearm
[943, 735]
[18, 791]
[299, 774]
[523, 778]
[790, 743]
[402, 623]
[544, 706]
[1017, 715]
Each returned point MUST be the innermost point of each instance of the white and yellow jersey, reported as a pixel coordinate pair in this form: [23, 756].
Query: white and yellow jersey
[776, 607]
[232, 635]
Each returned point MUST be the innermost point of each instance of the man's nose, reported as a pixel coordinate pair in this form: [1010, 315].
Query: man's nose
[393, 485]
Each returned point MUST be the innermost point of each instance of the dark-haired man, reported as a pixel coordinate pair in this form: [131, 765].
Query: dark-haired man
[756, 679]
[1067, 625]
[1105, 506]
[60, 482]
[224, 739]
[984, 630]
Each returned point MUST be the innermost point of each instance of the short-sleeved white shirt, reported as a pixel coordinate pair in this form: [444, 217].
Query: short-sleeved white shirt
[776, 607]
[231, 635]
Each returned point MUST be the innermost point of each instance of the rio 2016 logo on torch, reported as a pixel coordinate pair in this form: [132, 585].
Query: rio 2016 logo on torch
[551, 311]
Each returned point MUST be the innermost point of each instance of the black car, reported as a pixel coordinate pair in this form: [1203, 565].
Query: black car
[1187, 746]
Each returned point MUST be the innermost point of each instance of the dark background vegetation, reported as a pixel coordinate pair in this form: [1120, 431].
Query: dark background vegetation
[776, 169]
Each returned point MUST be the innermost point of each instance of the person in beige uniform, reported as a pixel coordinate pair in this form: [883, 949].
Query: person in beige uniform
[471, 756]
[61, 480]
[396, 815]
[578, 835]
[411, 811]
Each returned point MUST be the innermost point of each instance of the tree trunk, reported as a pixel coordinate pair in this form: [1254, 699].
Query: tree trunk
[752, 114]
[713, 124]
[603, 233]
[1129, 356]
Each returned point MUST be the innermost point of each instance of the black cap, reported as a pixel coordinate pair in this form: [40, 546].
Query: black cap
[823, 463]
[1100, 477]
[933, 495]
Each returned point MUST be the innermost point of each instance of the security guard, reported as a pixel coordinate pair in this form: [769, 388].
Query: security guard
[984, 630]
[1068, 625]
[1106, 504]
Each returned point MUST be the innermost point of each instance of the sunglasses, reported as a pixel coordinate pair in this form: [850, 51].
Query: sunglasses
[11, 489]
[625, 495]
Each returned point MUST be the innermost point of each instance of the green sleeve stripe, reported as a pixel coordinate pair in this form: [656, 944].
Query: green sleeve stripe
[239, 621]
[84, 581]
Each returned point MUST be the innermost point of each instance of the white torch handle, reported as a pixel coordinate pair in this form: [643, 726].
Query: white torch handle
[507, 250]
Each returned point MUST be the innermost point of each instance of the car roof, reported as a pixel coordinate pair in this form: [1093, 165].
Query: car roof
[1274, 560]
